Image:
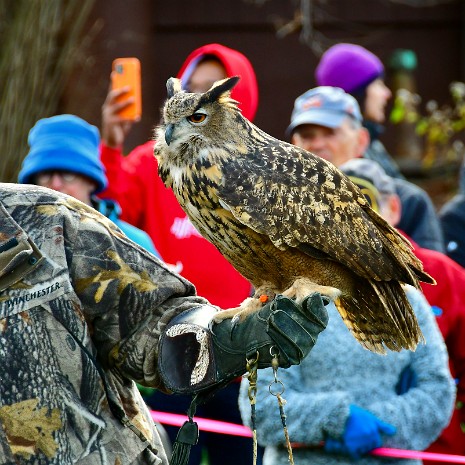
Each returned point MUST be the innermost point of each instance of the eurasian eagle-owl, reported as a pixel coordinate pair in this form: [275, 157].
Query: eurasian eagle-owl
[288, 221]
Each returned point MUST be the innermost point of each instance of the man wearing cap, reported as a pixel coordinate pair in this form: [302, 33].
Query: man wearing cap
[446, 298]
[64, 156]
[327, 121]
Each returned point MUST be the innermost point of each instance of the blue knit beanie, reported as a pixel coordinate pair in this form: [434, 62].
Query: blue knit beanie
[348, 66]
[64, 143]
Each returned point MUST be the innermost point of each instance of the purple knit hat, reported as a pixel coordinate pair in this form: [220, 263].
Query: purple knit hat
[348, 66]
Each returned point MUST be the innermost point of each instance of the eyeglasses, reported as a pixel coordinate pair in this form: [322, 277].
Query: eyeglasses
[46, 176]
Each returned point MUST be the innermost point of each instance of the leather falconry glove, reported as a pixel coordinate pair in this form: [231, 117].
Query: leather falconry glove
[196, 355]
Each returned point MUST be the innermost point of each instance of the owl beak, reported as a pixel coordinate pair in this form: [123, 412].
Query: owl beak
[169, 133]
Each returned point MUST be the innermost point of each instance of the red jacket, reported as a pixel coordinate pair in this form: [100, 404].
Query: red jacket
[149, 205]
[449, 296]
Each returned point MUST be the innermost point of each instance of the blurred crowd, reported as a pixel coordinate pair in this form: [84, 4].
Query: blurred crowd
[342, 401]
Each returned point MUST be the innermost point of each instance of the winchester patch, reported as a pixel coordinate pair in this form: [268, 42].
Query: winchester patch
[23, 299]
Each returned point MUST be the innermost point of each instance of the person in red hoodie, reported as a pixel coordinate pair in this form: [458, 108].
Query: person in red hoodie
[149, 205]
[446, 298]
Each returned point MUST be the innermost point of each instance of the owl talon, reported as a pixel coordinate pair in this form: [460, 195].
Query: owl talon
[326, 300]
[225, 314]
[235, 321]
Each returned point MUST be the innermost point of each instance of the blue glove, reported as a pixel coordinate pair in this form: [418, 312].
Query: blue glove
[362, 434]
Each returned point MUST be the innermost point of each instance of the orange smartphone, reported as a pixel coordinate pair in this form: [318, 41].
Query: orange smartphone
[126, 72]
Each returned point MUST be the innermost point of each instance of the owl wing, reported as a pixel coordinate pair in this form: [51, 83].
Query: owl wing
[300, 200]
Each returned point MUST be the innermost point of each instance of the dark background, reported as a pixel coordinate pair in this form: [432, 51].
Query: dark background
[162, 34]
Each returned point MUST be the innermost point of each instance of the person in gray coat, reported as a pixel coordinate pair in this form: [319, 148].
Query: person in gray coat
[343, 401]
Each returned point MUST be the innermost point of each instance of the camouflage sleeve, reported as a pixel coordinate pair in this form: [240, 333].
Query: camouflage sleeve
[128, 297]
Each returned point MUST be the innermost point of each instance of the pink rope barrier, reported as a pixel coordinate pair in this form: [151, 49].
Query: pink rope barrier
[212, 426]
[418, 455]
[221, 427]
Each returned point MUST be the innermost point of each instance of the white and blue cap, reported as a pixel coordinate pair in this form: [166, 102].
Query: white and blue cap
[325, 106]
[371, 171]
[371, 178]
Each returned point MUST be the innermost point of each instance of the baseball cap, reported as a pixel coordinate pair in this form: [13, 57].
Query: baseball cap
[370, 177]
[324, 106]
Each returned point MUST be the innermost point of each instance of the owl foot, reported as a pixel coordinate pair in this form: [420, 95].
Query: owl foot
[239, 314]
[302, 287]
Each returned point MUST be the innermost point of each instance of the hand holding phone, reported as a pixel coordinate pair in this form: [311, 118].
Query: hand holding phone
[126, 73]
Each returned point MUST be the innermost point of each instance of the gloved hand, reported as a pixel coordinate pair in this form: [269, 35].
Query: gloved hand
[292, 329]
[362, 434]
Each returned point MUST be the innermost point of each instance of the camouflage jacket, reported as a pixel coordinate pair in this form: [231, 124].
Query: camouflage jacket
[82, 310]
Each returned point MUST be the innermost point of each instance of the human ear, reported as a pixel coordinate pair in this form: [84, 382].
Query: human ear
[363, 140]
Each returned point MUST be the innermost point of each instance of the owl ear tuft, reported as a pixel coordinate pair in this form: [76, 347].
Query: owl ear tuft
[173, 86]
[219, 88]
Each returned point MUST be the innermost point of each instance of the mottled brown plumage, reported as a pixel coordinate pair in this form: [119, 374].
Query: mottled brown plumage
[290, 222]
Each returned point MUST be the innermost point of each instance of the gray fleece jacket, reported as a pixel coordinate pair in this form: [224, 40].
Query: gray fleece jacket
[339, 372]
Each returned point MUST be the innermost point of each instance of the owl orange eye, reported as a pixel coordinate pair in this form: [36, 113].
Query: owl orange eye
[197, 117]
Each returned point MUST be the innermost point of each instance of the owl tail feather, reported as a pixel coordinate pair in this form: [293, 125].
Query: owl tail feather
[380, 317]
[400, 249]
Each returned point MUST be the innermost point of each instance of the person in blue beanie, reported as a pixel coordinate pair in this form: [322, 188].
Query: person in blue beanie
[64, 156]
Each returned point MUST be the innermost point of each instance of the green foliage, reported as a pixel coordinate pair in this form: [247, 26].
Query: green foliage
[38, 42]
[441, 128]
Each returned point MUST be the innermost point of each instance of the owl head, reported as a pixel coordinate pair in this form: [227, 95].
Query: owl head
[190, 118]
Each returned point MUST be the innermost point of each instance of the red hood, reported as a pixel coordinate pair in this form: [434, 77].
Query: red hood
[236, 64]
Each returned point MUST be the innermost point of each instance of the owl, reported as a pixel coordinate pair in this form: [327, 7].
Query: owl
[290, 222]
